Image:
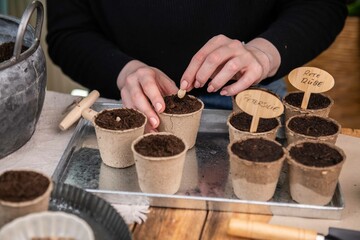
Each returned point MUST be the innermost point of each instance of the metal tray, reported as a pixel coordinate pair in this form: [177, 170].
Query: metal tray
[206, 182]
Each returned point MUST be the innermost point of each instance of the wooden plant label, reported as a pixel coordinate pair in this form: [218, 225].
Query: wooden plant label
[259, 104]
[310, 80]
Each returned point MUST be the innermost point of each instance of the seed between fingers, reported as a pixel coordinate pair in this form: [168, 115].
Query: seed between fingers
[181, 93]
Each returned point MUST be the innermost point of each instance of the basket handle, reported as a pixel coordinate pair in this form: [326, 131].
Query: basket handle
[17, 56]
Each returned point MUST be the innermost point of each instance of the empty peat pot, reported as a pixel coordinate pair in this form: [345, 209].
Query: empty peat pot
[319, 104]
[22, 78]
[314, 169]
[182, 117]
[255, 166]
[159, 160]
[311, 127]
[23, 192]
[239, 126]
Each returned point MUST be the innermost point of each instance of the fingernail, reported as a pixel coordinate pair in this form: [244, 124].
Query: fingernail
[197, 85]
[223, 93]
[210, 89]
[153, 122]
[158, 107]
[184, 85]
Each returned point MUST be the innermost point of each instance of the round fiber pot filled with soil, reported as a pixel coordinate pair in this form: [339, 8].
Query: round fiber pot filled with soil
[182, 117]
[239, 126]
[312, 127]
[159, 160]
[314, 169]
[23, 192]
[255, 166]
[115, 130]
[319, 104]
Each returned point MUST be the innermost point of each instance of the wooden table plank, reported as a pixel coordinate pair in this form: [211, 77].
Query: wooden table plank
[169, 223]
[351, 132]
[217, 223]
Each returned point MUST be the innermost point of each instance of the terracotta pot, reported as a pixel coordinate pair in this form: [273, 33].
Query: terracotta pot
[291, 110]
[235, 134]
[185, 126]
[159, 174]
[312, 184]
[293, 136]
[254, 180]
[10, 210]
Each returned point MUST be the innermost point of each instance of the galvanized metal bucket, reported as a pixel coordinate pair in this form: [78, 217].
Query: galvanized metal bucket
[22, 79]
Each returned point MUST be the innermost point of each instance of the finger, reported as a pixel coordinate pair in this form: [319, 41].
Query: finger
[149, 129]
[243, 83]
[212, 62]
[126, 99]
[231, 68]
[141, 102]
[188, 80]
[127, 103]
[246, 80]
[152, 92]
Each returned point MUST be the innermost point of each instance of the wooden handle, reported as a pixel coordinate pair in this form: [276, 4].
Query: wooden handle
[89, 114]
[76, 112]
[259, 230]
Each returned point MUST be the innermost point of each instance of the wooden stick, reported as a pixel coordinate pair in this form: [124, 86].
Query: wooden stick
[254, 123]
[89, 114]
[260, 230]
[305, 100]
[76, 112]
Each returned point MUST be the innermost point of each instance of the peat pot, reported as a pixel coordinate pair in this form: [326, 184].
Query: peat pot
[22, 79]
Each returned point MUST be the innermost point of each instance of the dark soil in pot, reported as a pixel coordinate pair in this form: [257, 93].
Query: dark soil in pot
[316, 154]
[176, 105]
[20, 186]
[257, 150]
[160, 146]
[316, 101]
[242, 122]
[313, 126]
[119, 119]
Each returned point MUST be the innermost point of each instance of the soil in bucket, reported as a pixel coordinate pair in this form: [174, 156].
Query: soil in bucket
[120, 119]
[176, 105]
[7, 50]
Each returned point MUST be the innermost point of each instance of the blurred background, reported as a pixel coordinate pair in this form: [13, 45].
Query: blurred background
[341, 60]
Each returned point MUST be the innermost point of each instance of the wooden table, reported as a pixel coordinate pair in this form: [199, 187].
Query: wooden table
[48, 143]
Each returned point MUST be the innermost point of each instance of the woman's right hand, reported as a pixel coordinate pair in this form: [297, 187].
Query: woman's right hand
[143, 87]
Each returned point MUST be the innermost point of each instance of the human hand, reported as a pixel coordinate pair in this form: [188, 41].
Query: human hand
[142, 87]
[222, 59]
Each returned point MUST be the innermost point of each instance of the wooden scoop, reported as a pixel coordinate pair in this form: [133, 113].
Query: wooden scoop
[259, 103]
[310, 80]
[81, 109]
